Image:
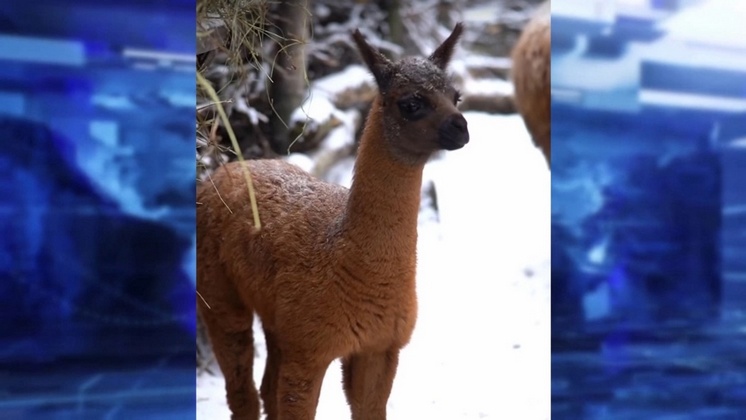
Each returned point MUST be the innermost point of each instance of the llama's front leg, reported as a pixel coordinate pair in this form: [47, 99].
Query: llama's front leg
[233, 344]
[298, 388]
[368, 378]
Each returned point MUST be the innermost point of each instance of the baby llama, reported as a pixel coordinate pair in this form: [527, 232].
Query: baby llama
[331, 272]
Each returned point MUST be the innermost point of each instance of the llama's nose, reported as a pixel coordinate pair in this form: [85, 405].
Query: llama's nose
[454, 133]
[459, 122]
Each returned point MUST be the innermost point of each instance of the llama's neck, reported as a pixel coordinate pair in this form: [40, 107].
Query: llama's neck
[381, 217]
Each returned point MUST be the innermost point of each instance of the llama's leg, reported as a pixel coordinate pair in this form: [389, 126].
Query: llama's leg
[271, 374]
[298, 387]
[368, 378]
[233, 345]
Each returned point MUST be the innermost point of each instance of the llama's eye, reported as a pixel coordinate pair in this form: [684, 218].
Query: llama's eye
[411, 107]
[456, 97]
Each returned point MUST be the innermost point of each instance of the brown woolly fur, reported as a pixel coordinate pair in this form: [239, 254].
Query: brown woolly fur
[331, 273]
[531, 78]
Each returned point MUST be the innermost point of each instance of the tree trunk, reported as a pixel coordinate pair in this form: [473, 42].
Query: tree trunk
[397, 30]
[396, 26]
[445, 9]
[288, 85]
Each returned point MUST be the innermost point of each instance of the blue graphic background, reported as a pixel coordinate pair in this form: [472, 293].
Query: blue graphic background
[97, 209]
[648, 210]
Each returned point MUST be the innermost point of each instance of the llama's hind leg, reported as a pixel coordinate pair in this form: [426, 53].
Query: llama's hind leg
[271, 374]
[233, 344]
[368, 378]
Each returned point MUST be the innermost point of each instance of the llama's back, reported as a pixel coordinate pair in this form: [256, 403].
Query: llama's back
[531, 78]
[296, 213]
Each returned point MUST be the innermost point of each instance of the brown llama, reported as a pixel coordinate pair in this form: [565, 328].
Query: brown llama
[531, 79]
[331, 273]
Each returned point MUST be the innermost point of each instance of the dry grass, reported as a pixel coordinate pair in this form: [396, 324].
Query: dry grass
[243, 23]
[232, 30]
[224, 118]
[239, 45]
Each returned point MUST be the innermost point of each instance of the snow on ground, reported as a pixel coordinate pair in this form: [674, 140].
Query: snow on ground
[495, 87]
[481, 347]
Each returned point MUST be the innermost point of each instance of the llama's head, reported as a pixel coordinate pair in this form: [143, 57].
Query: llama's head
[418, 100]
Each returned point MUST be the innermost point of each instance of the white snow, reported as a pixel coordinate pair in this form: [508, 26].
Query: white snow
[495, 87]
[343, 135]
[481, 347]
[318, 105]
[317, 108]
[479, 60]
[301, 160]
[484, 14]
[351, 77]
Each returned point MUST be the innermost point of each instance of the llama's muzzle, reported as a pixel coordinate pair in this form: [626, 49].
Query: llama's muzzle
[453, 133]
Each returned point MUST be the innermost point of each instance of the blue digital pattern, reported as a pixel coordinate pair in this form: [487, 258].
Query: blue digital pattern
[97, 218]
[648, 206]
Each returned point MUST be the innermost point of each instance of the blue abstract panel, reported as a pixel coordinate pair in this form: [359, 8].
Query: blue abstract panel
[97, 210]
[637, 214]
[648, 205]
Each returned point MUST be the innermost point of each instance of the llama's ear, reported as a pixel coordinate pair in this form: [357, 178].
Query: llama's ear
[442, 55]
[378, 64]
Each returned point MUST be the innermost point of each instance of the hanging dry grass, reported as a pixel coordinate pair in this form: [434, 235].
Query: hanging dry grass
[233, 31]
[232, 27]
